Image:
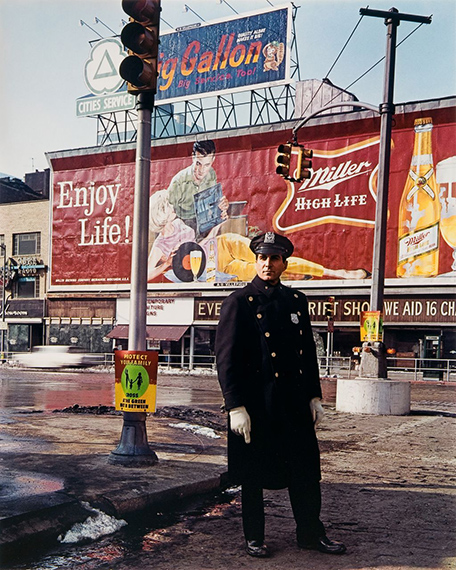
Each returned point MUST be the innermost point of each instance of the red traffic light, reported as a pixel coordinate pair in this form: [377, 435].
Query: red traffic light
[142, 10]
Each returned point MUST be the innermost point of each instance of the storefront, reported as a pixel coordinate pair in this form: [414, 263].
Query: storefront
[25, 321]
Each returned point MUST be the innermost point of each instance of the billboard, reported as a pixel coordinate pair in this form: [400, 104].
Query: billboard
[209, 197]
[233, 54]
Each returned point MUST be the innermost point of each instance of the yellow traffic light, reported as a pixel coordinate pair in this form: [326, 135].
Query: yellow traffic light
[141, 38]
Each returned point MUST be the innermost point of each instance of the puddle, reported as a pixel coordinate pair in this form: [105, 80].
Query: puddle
[17, 484]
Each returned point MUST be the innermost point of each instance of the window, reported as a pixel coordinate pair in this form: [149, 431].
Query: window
[27, 244]
[27, 287]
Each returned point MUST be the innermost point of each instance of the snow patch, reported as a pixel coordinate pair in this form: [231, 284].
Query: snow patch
[96, 525]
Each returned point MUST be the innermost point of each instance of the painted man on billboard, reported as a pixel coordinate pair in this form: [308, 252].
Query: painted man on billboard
[198, 177]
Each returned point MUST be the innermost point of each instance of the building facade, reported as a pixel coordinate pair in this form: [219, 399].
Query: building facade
[330, 218]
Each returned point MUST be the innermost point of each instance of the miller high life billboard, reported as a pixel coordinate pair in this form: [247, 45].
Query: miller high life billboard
[206, 207]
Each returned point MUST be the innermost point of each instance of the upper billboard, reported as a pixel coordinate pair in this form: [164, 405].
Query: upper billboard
[233, 54]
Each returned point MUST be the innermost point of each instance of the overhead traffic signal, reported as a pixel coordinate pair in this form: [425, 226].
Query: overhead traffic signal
[141, 37]
[283, 159]
[304, 164]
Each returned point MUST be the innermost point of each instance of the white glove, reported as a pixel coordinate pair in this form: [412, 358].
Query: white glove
[317, 410]
[240, 422]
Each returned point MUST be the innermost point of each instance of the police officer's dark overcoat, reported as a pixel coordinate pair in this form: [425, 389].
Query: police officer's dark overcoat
[266, 361]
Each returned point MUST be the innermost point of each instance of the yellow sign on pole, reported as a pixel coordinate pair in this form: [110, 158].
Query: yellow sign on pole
[136, 380]
[371, 326]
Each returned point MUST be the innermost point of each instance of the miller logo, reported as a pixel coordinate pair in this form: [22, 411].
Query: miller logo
[341, 190]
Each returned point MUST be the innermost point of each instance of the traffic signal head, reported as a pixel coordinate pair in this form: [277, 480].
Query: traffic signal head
[141, 38]
[330, 307]
[304, 164]
[283, 159]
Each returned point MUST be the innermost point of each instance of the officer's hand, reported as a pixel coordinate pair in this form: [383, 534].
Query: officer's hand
[317, 410]
[240, 422]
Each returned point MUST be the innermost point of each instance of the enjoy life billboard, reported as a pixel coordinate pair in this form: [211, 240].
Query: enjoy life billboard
[208, 200]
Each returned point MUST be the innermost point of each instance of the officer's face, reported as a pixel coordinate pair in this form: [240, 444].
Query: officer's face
[270, 267]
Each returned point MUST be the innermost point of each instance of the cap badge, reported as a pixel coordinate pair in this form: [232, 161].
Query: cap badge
[294, 318]
[269, 237]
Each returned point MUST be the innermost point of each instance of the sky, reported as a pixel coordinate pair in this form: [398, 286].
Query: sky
[44, 49]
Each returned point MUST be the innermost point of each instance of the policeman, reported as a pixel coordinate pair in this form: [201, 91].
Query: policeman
[268, 372]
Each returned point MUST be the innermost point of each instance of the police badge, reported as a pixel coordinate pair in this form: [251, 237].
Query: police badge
[294, 318]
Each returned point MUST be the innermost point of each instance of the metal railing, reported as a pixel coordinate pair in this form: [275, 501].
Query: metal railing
[405, 368]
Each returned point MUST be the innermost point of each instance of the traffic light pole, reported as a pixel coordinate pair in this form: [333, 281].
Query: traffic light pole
[373, 358]
[133, 449]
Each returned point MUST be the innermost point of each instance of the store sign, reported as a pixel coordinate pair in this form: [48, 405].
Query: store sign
[91, 105]
[160, 311]
[395, 310]
[208, 309]
[24, 308]
[136, 380]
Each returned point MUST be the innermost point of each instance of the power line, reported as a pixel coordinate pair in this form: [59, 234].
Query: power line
[334, 64]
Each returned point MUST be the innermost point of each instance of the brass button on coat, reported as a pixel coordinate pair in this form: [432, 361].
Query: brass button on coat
[267, 335]
[273, 354]
[259, 315]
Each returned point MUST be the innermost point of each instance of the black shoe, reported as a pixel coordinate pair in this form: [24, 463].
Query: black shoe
[256, 548]
[323, 544]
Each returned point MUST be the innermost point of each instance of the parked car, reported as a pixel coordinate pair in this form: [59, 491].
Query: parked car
[57, 356]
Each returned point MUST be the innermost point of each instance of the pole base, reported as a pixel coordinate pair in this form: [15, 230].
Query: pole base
[379, 396]
[133, 449]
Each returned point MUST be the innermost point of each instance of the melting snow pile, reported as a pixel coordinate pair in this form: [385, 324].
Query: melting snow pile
[96, 525]
[198, 430]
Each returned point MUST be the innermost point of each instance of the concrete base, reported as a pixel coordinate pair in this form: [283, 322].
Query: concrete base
[373, 396]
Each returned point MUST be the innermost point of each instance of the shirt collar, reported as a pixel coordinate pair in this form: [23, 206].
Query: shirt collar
[265, 287]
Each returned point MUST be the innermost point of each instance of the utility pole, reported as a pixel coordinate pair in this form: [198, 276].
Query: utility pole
[133, 448]
[373, 360]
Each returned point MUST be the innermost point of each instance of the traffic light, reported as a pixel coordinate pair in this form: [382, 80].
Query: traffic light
[304, 164]
[140, 37]
[283, 159]
[330, 307]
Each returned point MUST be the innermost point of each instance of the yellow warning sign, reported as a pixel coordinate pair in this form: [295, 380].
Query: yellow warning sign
[136, 380]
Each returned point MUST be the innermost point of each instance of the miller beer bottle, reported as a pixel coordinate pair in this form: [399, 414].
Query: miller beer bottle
[419, 211]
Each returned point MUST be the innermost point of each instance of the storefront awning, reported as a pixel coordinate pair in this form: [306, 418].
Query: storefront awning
[153, 332]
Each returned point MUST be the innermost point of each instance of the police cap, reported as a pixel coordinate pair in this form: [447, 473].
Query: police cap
[272, 243]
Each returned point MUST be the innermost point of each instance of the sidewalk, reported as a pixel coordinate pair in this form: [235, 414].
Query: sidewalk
[55, 463]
